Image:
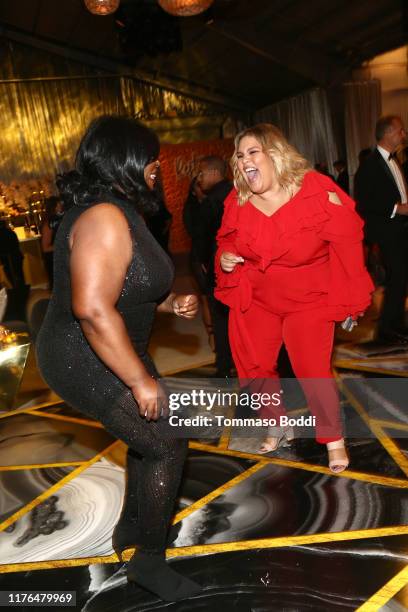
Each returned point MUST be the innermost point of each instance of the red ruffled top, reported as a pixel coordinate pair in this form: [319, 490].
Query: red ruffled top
[307, 254]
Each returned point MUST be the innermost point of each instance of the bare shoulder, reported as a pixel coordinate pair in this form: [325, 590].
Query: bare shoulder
[334, 198]
[103, 222]
[102, 213]
[104, 216]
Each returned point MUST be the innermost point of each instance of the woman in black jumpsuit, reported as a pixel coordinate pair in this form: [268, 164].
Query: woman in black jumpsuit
[109, 277]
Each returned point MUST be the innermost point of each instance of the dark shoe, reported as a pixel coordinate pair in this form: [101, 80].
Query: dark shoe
[152, 573]
[390, 336]
[126, 535]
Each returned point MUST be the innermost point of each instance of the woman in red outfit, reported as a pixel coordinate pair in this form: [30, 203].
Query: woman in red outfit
[289, 264]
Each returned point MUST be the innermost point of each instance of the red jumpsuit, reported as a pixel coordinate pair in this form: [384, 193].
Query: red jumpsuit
[304, 269]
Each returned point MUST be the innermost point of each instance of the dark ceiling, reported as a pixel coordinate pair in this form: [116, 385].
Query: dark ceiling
[249, 53]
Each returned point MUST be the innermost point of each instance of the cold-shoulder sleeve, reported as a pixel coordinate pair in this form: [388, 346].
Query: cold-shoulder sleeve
[227, 282]
[350, 286]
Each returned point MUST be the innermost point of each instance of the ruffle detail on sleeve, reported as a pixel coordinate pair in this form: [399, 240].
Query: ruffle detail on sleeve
[232, 288]
[263, 240]
[274, 236]
[229, 224]
[350, 287]
[349, 296]
[342, 224]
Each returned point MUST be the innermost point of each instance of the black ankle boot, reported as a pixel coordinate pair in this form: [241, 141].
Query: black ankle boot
[152, 573]
[126, 535]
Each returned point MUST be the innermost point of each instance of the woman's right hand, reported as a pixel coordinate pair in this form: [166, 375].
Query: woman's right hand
[228, 261]
[150, 397]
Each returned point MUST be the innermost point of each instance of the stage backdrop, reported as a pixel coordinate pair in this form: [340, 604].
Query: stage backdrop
[179, 165]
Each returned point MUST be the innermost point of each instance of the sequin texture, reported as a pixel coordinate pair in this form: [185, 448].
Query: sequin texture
[72, 369]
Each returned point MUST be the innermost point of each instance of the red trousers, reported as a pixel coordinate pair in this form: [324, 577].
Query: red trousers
[308, 337]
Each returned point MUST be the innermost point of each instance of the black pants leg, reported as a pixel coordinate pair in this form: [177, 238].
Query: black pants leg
[394, 254]
[154, 468]
[219, 315]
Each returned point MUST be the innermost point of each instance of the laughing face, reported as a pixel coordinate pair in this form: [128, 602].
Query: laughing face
[150, 173]
[255, 165]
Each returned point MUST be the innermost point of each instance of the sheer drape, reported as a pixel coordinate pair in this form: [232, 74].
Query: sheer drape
[395, 102]
[306, 122]
[363, 107]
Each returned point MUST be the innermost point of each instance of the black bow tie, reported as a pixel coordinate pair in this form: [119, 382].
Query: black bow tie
[392, 156]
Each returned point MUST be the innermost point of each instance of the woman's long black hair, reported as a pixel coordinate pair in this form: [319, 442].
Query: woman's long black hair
[111, 160]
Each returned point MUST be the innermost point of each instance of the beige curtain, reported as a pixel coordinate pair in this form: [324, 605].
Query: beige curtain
[306, 122]
[363, 107]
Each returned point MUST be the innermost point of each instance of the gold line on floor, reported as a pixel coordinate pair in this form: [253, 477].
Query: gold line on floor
[389, 445]
[391, 425]
[354, 365]
[226, 432]
[218, 491]
[61, 417]
[301, 540]
[11, 413]
[387, 592]
[11, 519]
[362, 476]
[35, 466]
[222, 547]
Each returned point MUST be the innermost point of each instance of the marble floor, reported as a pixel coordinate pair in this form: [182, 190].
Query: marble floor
[262, 533]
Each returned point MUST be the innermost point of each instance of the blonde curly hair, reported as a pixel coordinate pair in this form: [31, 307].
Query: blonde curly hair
[290, 166]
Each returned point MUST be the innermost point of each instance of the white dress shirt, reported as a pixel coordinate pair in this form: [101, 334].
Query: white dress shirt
[397, 174]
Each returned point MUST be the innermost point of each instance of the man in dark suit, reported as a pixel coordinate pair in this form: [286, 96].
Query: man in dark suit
[212, 180]
[381, 194]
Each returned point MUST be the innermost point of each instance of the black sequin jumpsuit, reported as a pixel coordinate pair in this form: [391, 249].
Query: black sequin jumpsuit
[73, 370]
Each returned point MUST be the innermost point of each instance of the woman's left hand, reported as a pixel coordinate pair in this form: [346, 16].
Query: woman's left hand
[185, 306]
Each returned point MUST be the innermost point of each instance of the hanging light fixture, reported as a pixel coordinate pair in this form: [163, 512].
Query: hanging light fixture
[102, 7]
[185, 8]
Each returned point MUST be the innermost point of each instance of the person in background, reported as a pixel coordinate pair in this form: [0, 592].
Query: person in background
[381, 194]
[52, 219]
[159, 222]
[192, 221]
[371, 251]
[12, 260]
[11, 257]
[289, 264]
[3, 307]
[363, 154]
[323, 169]
[342, 175]
[212, 179]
